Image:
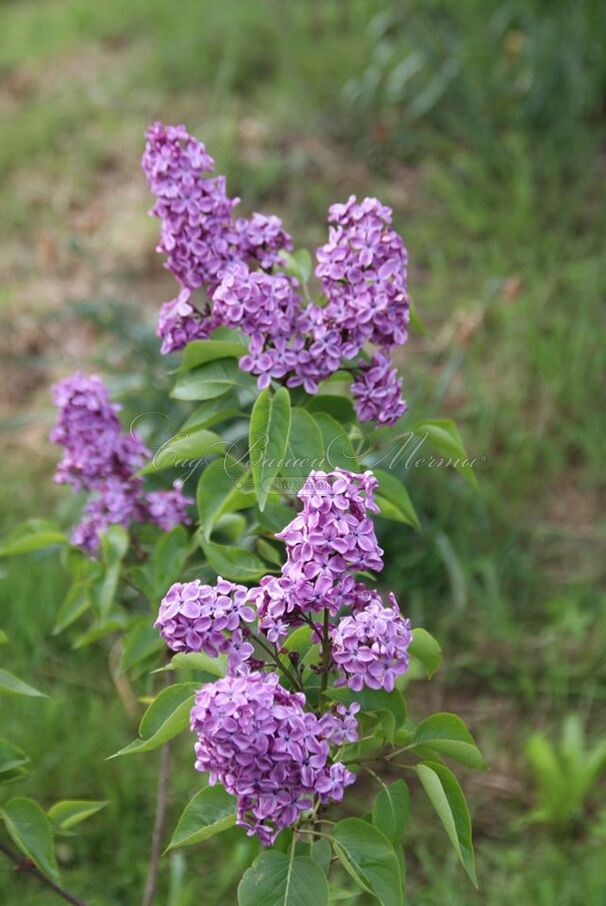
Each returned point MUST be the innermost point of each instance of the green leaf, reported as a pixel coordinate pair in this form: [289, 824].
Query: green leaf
[30, 830]
[76, 602]
[10, 685]
[447, 798]
[140, 642]
[211, 811]
[231, 527]
[33, 535]
[114, 545]
[416, 322]
[426, 650]
[391, 810]
[234, 563]
[212, 412]
[443, 435]
[277, 879]
[298, 264]
[338, 449]
[270, 425]
[12, 761]
[200, 352]
[69, 812]
[318, 850]
[168, 558]
[370, 859]
[339, 407]
[206, 382]
[3, 637]
[184, 447]
[221, 490]
[393, 500]
[275, 516]
[305, 449]
[269, 552]
[198, 660]
[447, 734]
[116, 622]
[166, 717]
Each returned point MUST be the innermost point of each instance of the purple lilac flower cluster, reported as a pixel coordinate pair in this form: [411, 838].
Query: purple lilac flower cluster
[197, 617]
[88, 429]
[267, 308]
[100, 458]
[377, 391]
[199, 234]
[363, 272]
[371, 646]
[255, 736]
[362, 269]
[326, 543]
[257, 739]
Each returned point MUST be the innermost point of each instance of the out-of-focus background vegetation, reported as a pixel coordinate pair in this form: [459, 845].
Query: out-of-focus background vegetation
[482, 123]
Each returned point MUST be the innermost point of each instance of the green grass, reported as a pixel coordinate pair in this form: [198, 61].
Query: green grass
[496, 180]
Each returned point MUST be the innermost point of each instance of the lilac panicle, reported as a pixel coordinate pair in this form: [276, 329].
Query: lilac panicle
[114, 502]
[209, 618]
[371, 645]
[166, 509]
[333, 531]
[199, 235]
[377, 391]
[256, 739]
[363, 272]
[99, 457]
[332, 538]
[88, 429]
[362, 268]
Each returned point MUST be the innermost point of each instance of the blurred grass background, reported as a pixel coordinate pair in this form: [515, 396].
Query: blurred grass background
[482, 123]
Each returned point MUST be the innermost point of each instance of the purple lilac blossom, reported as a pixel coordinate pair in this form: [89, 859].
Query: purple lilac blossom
[269, 310]
[371, 646]
[261, 239]
[283, 602]
[209, 618]
[326, 543]
[114, 502]
[199, 235]
[166, 509]
[333, 531]
[363, 272]
[90, 433]
[341, 725]
[362, 268]
[179, 323]
[98, 456]
[377, 391]
[256, 739]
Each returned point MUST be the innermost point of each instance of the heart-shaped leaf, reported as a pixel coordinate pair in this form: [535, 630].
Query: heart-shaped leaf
[277, 879]
[370, 859]
[447, 734]
[211, 811]
[166, 717]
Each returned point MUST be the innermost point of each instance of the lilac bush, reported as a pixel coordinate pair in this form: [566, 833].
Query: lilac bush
[264, 612]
